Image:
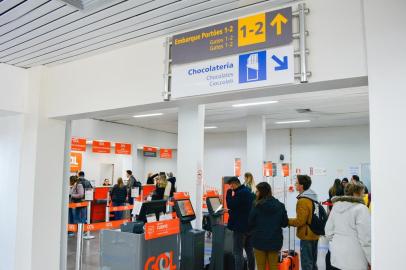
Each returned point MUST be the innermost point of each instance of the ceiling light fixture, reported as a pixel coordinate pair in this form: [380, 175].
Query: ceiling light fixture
[210, 127]
[255, 103]
[147, 115]
[292, 122]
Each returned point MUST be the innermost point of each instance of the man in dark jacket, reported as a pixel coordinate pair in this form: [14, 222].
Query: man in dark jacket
[132, 183]
[239, 203]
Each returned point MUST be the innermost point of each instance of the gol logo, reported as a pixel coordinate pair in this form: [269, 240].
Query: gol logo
[162, 262]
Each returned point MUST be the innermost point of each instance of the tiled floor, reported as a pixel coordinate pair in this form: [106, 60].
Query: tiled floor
[91, 260]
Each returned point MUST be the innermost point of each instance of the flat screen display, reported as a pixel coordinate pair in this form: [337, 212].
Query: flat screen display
[186, 208]
[215, 204]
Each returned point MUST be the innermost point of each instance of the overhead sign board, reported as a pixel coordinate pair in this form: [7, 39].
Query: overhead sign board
[256, 32]
[273, 66]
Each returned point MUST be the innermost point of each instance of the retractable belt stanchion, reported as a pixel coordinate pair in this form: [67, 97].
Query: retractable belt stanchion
[108, 207]
[89, 199]
[79, 247]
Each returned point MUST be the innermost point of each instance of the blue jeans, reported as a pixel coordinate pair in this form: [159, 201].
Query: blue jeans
[80, 215]
[243, 241]
[118, 215]
[70, 217]
[308, 254]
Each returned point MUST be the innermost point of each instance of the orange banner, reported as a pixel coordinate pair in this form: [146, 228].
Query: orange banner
[285, 168]
[165, 153]
[121, 208]
[123, 149]
[78, 144]
[160, 229]
[268, 169]
[76, 205]
[101, 147]
[237, 167]
[99, 226]
[75, 162]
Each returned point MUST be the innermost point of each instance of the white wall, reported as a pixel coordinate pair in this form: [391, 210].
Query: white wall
[13, 90]
[93, 129]
[386, 45]
[330, 148]
[133, 75]
[10, 147]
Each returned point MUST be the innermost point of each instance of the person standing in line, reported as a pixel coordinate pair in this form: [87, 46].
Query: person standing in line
[86, 185]
[118, 197]
[249, 182]
[344, 182]
[164, 188]
[239, 202]
[267, 218]
[355, 179]
[151, 178]
[131, 183]
[349, 230]
[304, 213]
[77, 195]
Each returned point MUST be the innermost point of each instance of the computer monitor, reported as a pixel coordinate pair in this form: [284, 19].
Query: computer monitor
[184, 210]
[214, 205]
[152, 207]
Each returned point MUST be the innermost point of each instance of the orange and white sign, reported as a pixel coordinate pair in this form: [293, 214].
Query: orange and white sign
[75, 162]
[285, 169]
[99, 226]
[123, 149]
[78, 144]
[237, 167]
[165, 153]
[150, 151]
[268, 169]
[160, 229]
[101, 147]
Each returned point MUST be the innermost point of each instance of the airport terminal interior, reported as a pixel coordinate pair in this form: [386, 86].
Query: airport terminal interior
[202, 134]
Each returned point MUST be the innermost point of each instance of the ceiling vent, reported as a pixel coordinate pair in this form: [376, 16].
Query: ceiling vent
[303, 110]
[86, 5]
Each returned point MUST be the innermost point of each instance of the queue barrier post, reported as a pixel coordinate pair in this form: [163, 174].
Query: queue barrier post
[108, 208]
[79, 247]
[88, 236]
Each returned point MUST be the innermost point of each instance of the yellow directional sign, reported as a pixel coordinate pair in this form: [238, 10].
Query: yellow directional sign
[251, 30]
[277, 21]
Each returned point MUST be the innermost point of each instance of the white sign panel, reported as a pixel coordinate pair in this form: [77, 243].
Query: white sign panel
[236, 72]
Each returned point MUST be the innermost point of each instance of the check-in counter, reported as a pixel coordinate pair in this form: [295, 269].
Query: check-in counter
[157, 248]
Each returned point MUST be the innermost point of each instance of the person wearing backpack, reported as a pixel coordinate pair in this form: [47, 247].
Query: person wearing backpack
[349, 230]
[131, 183]
[77, 194]
[304, 214]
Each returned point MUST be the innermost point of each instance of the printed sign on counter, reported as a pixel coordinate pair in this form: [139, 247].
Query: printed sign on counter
[161, 228]
[101, 147]
[75, 162]
[268, 168]
[78, 144]
[89, 194]
[165, 153]
[122, 148]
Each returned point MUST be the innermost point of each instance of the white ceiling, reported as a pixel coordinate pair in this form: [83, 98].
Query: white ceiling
[46, 32]
[343, 107]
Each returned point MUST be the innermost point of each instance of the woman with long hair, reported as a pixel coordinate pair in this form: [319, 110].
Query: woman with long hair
[249, 182]
[119, 197]
[267, 218]
[336, 189]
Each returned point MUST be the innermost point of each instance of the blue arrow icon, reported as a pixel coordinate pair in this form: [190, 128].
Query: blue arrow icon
[282, 64]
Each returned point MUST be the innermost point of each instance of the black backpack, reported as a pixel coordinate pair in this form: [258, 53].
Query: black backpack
[85, 183]
[319, 218]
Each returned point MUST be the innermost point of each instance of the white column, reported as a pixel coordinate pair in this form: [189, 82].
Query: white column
[190, 155]
[386, 57]
[256, 145]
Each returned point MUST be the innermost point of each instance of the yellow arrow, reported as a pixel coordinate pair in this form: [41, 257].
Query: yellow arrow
[278, 20]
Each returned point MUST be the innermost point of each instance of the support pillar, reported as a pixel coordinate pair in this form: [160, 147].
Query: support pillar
[256, 145]
[190, 155]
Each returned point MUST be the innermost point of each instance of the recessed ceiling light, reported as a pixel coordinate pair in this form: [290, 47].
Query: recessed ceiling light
[292, 122]
[210, 127]
[254, 103]
[147, 115]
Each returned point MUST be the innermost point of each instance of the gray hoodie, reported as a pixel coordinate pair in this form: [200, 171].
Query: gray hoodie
[310, 194]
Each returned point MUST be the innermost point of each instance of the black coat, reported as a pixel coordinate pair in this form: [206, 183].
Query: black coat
[239, 207]
[119, 194]
[266, 221]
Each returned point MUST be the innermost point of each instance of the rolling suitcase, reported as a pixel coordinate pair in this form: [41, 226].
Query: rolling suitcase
[289, 259]
[229, 262]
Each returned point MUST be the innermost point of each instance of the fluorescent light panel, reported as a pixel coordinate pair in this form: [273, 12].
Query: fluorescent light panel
[147, 115]
[210, 127]
[292, 122]
[255, 103]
